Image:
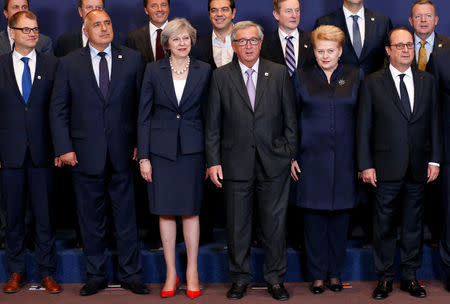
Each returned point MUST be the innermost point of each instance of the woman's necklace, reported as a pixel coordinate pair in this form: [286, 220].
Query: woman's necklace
[186, 67]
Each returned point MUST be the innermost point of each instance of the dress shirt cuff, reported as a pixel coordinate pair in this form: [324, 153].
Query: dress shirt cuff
[434, 164]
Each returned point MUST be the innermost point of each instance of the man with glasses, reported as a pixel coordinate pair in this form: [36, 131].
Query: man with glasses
[147, 39]
[26, 154]
[289, 45]
[250, 139]
[399, 141]
[11, 7]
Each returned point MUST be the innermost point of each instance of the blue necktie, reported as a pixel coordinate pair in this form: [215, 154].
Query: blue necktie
[26, 79]
[103, 74]
[357, 44]
[290, 55]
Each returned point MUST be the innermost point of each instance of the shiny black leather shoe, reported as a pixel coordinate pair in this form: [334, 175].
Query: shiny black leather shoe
[136, 287]
[236, 291]
[317, 289]
[414, 288]
[92, 287]
[336, 287]
[278, 292]
[382, 290]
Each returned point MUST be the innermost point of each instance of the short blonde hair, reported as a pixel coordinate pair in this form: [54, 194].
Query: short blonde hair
[328, 32]
[176, 26]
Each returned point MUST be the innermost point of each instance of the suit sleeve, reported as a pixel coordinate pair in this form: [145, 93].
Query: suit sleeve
[213, 124]
[144, 115]
[436, 127]
[289, 115]
[364, 128]
[60, 112]
[46, 46]
[131, 42]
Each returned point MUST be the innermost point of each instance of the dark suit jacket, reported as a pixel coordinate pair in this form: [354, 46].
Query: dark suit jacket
[24, 125]
[44, 44]
[271, 49]
[139, 40]
[84, 122]
[441, 62]
[386, 140]
[73, 40]
[164, 128]
[441, 43]
[234, 132]
[373, 54]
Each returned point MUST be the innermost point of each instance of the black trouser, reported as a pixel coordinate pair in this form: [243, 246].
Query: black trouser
[444, 247]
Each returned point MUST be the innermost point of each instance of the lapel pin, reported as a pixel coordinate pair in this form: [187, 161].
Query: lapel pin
[305, 46]
[39, 77]
[119, 56]
[341, 82]
[266, 74]
[440, 45]
[372, 19]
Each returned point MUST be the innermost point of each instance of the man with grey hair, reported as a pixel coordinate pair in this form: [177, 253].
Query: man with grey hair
[250, 139]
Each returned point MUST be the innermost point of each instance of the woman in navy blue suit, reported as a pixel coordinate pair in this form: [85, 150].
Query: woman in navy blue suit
[324, 170]
[170, 146]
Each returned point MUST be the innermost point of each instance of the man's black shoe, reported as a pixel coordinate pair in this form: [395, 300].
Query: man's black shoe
[317, 289]
[414, 288]
[92, 287]
[382, 290]
[136, 287]
[278, 292]
[236, 291]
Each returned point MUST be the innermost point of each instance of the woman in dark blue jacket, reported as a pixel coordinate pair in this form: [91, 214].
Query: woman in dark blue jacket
[324, 170]
[171, 144]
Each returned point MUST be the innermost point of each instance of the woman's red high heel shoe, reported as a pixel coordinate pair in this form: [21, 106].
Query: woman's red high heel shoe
[194, 293]
[169, 293]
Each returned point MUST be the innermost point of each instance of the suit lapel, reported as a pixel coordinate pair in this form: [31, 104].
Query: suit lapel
[86, 55]
[263, 82]
[191, 82]
[369, 32]
[146, 43]
[117, 63]
[210, 52]
[166, 81]
[235, 76]
[12, 79]
[5, 46]
[303, 46]
[418, 100]
[277, 48]
[391, 90]
[342, 24]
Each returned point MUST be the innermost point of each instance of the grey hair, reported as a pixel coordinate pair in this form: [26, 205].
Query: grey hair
[246, 24]
[175, 26]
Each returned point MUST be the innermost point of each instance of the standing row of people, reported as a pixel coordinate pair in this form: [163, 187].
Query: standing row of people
[251, 138]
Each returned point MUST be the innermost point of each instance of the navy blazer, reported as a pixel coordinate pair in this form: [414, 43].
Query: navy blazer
[24, 125]
[164, 127]
[373, 54]
[84, 122]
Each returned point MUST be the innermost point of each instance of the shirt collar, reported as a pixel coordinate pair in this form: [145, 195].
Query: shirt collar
[284, 35]
[217, 39]
[31, 55]
[245, 68]
[94, 51]
[348, 13]
[396, 72]
[429, 40]
[153, 27]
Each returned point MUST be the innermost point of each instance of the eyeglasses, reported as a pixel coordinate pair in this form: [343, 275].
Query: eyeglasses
[401, 46]
[223, 10]
[27, 30]
[243, 41]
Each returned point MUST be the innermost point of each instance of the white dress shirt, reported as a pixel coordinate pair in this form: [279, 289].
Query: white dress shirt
[178, 85]
[361, 23]
[96, 61]
[294, 40]
[428, 46]
[19, 65]
[244, 69]
[222, 51]
[154, 34]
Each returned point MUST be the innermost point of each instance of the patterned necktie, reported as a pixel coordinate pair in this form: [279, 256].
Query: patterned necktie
[357, 44]
[404, 97]
[158, 47]
[422, 62]
[251, 87]
[103, 78]
[290, 55]
[26, 79]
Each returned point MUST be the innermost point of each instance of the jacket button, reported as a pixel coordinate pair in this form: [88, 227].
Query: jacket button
[178, 116]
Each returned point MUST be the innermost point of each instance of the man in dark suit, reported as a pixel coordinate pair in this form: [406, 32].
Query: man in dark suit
[250, 139]
[441, 62]
[399, 151]
[365, 32]
[289, 45]
[147, 39]
[26, 81]
[11, 7]
[424, 20]
[93, 122]
[75, 39]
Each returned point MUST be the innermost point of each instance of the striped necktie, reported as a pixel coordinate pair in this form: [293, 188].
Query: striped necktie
[290, 55]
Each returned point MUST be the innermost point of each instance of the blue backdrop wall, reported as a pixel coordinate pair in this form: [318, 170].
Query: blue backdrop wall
[58, 16]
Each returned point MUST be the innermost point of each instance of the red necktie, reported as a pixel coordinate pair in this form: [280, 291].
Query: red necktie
[158, 46]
